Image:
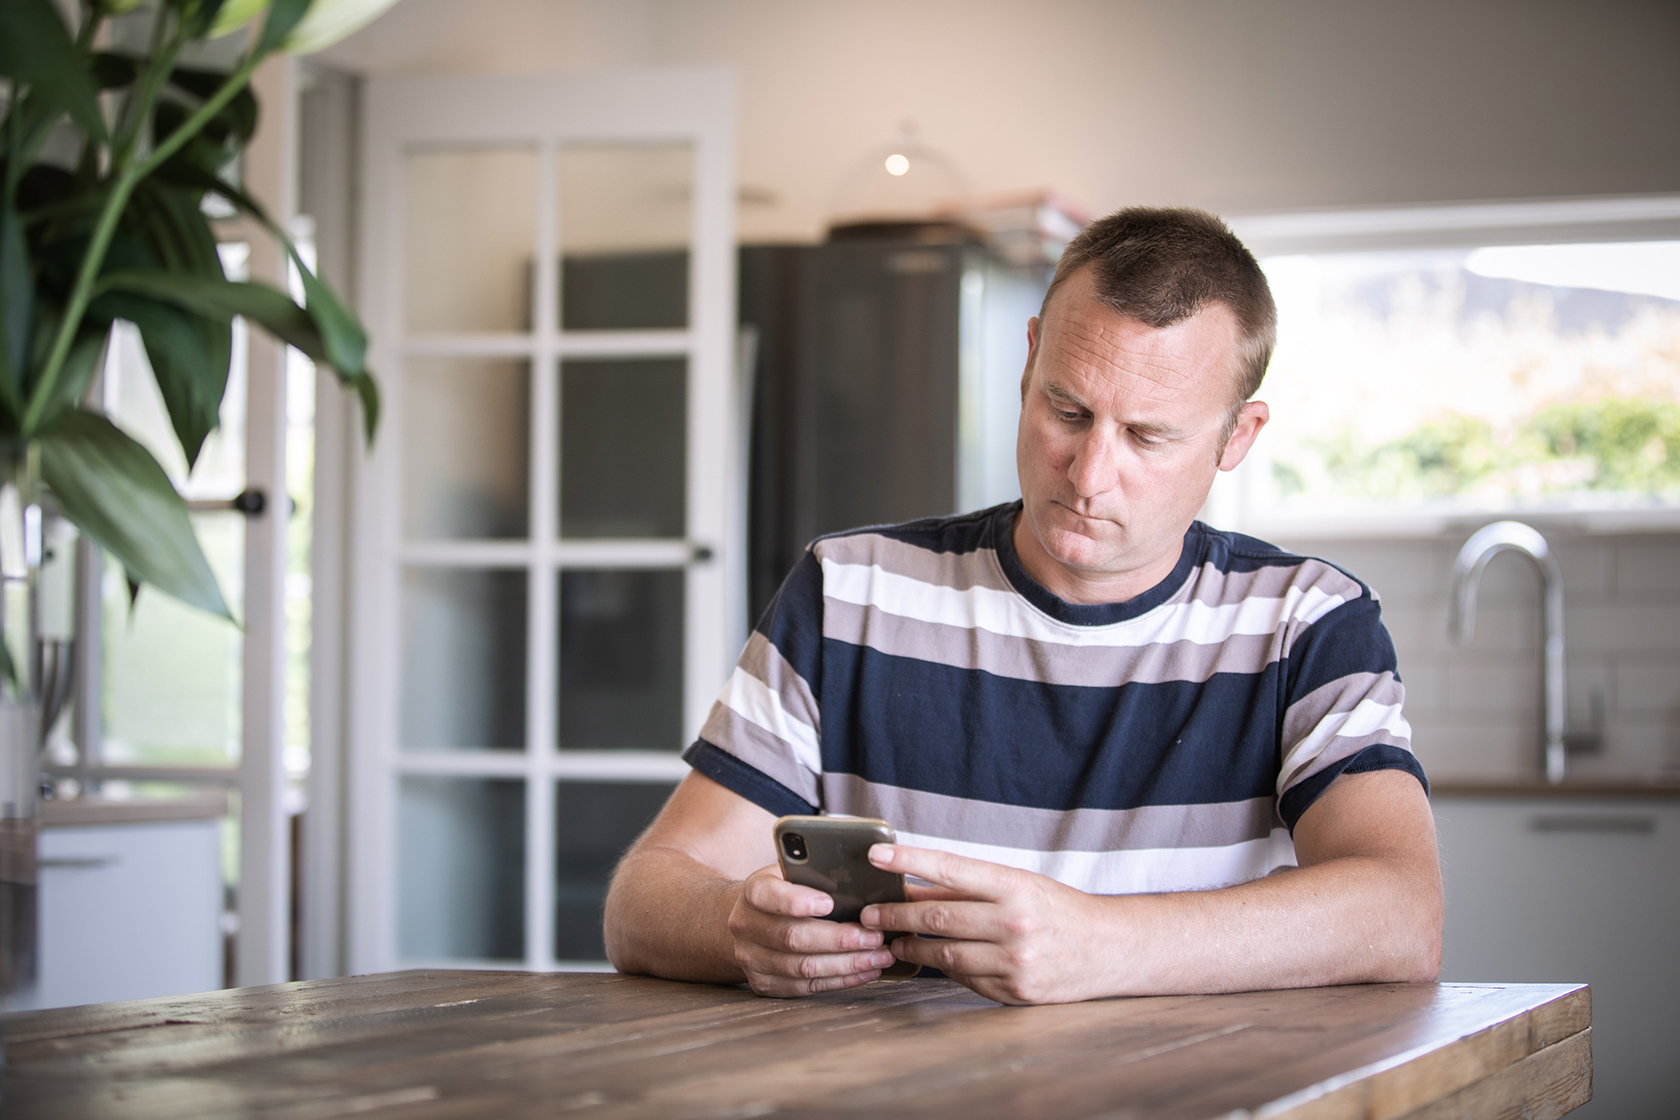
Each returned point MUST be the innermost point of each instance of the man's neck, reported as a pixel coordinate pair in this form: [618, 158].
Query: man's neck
[1088, 588]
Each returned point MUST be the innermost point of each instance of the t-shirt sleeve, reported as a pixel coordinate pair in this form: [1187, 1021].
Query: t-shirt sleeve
[1343, 706]
[762, 738]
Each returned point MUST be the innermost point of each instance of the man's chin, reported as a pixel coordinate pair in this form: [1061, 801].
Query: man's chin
[1079, 551]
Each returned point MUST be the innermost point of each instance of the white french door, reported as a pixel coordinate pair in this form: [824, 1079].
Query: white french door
[546, 564]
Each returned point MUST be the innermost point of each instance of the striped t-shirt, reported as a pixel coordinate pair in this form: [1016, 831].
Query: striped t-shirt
[916, 673]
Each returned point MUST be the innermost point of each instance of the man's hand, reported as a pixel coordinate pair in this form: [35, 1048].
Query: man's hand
[1364, 906]
[1013, 936]
[786, 948]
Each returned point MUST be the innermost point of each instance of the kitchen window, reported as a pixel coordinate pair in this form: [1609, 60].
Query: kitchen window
[1445, 364]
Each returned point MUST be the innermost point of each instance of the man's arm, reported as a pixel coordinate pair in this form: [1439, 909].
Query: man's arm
[700, 897]
[1365, 905]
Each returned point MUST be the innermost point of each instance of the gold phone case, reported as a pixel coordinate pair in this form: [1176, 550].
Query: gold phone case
[835, 853]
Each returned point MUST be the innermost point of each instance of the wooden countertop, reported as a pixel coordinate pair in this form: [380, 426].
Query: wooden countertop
[423, 1045]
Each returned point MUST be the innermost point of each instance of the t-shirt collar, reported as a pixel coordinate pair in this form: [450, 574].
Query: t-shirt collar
[1091, 614]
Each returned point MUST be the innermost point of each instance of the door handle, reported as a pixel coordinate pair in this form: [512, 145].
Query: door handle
[251, 502]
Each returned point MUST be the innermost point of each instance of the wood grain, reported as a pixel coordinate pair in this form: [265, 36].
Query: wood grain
[434, 1045]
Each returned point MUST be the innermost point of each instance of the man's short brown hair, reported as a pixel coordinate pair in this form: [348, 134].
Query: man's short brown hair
[1160, 265]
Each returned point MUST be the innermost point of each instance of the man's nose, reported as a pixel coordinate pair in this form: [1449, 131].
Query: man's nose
[1094, 469]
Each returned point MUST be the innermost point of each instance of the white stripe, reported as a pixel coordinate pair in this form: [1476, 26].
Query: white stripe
[1137, 871]
[1367, 718]
[752, 699]
[1008, 614]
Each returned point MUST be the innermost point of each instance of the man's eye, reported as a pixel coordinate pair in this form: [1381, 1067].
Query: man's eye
[1070, 417]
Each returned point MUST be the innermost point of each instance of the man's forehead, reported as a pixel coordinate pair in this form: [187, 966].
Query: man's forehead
[1087, 334]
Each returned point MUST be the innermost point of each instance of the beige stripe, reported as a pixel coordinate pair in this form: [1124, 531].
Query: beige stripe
[961, 570]
[756, 747]
[1047, 662]
[763, 660]
[1050, 830]
[1217, 588]
[1343, 694]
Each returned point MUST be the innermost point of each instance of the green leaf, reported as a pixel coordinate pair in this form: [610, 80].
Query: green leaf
[270, 308]
[368, 390]
[200, 17]
[342, 335]
[80, 363]
[189, 351]
[114, 71]
[36, 50]
[237, 118]
[17, 309]
[116, 493]
[189, 355]
[283, 15]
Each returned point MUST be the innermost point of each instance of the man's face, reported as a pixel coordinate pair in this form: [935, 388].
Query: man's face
[1119, 441]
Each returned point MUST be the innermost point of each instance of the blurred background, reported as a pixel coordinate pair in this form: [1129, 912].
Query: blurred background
[661, 289]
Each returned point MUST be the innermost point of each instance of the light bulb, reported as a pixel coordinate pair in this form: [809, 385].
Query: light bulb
[897, 164]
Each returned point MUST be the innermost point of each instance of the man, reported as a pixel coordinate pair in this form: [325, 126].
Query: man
[1130, 754]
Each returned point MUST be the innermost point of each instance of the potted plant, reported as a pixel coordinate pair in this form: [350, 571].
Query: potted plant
[119, 232]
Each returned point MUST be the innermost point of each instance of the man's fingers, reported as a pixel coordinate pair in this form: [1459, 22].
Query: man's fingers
[957, 959]
[975, 921]
[969, 878]
[764, 962]
[766, 890]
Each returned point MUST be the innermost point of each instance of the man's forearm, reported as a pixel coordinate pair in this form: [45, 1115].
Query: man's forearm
[1345, 921]
[667, 915]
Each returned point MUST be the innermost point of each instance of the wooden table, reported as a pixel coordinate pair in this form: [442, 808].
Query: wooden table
[508, 1045]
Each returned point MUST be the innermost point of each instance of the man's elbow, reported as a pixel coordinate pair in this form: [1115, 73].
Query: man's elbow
[1414, 954]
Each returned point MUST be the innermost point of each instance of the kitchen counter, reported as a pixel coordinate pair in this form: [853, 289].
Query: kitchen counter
[82, 811]
[440, 1044]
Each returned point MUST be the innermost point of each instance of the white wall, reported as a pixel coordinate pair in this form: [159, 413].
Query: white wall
[1231, 104]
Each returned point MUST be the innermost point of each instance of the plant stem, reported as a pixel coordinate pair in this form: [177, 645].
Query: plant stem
[160, 61]
[94, 258]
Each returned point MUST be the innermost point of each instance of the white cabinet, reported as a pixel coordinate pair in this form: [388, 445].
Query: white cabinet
[130, 908]
[1576, 889]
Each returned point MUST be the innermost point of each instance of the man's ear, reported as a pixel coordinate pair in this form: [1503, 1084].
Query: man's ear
[1032, 352]
[1250, 420]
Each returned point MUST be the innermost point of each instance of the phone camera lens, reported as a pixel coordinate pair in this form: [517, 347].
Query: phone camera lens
[794, 845]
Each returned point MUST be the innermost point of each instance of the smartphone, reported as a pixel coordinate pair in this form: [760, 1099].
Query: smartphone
[831, 854]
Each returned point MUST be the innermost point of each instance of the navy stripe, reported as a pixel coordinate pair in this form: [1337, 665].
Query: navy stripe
[925, 726]
[1350, 639]
[967, 533]
[793, 620]
[748, 781]
[1380, 756]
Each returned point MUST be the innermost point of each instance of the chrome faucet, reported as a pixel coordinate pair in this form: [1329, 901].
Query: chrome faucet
[1486, 543]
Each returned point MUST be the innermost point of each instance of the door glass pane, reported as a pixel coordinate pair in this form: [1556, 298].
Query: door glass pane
[594, 824]
[470, 236]
[173, 674]
[466, 448]
[624, 233]
[623, 447]
[621, 647]
[461, 869]
[463, 659]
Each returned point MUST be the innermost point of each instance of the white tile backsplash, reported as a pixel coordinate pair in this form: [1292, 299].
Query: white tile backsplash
[1475, 710]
